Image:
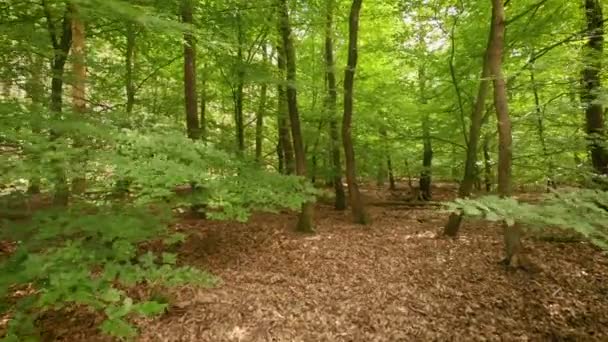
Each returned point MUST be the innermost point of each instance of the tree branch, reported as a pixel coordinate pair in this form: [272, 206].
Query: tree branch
[50, 25]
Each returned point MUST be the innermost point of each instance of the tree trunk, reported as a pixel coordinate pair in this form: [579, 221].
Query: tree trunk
[487, 163]
[61, 49]
[280, 158]
[79, 63]
[35, 91]
[332, 100]
[305, 223]
[425, 193]
[391, 175]
[470, 167]
[594, 113]
[130, 61]
[238, 93]
[259, 120]
[512, 233]
[541, 130]
[283, 115]
[79, 70]
[203, 121]
[192, 123]
[356, 201]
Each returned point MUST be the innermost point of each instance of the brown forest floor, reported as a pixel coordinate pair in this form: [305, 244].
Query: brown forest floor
[393, 281]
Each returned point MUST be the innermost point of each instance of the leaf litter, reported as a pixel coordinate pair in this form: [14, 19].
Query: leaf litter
[392, 281]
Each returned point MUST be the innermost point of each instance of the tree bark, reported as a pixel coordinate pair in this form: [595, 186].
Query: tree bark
[191, 103]
[130, 61]
[594, 113]
[425, 193]
[541, 130]
[238, 92]
[332, 104]
[305, 223]
[285, 141]
[203, 121]
[487, 163]
[61, 49]
[356, 201]
[470, 167]
[79, 62]
[512, 233]
[79, 70]
[35, 91]
[259, 120]
[391, 175]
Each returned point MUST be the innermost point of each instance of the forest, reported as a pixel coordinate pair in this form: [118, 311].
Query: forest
[303, 170]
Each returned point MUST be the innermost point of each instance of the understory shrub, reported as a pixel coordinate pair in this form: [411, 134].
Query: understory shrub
[584, 211]
[90, 253]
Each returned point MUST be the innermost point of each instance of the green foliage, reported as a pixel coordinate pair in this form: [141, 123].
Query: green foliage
[584, 211]
[88, 256]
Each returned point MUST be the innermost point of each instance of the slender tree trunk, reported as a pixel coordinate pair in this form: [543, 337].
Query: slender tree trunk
[283, 115]
[61, 49]
[410, 182]
[191, 103]
[455, 79]
[487, 163]
[259, 120]
[203, 120]
[356, 201]
[594, 112]
[280, 158]
[305, 223]
[79, 62]
[512, 233]
[389, 162]
[541, 129]
[425, 193]
[470, 167]
[35, 91]
[130, 61]
[240, 85]
[332, 100]
[391, 175]
[79, 70]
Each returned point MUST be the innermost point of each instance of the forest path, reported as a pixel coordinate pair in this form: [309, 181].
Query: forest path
[393, 281]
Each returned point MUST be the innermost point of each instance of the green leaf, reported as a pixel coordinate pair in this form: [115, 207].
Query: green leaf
[150, 308]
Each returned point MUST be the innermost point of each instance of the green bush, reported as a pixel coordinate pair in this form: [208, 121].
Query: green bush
[89, 254]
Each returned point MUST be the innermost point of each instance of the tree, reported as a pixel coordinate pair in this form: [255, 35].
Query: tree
[594, 113]
[61, 49]
[79, 69]
[331, 104]
[259, 120]
[192, 124]
[512, 232]
[305, 223]
[130, 62]
[285, 145]
[356, 201]
[470, 166]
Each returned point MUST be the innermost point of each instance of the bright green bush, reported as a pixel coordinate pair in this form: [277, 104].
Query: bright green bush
[88, 256]
[89, 253]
